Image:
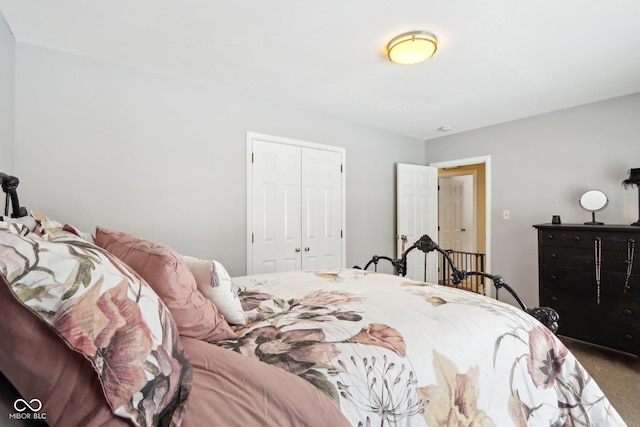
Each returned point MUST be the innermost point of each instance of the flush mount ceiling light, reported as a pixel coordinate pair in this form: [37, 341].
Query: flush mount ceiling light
[413, 47]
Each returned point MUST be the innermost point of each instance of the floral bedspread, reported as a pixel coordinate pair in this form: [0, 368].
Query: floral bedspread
[392, 352]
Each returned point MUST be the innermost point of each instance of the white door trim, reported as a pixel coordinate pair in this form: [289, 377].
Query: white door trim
[249, 186]
[487, 164]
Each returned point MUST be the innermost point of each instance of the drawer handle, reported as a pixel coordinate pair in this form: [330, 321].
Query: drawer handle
[554, 299]
[549, 236]
[577, 238]
[628, 337]
[553, 277]
[627, 311]
[554, 256]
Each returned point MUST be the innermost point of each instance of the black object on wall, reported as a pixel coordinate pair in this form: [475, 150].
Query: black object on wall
[10, 186]
[634, 179]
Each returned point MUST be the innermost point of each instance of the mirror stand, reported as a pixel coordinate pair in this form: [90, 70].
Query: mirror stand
[593, 220]
[593, 201]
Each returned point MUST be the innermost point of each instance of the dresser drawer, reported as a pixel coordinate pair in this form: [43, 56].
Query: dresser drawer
[622, 337]
[567, 238]
[584, 281]
[600, 330]
[568, 257]
[577, 282]
[626, 312]
[585, 258]
[586, 327]
[567, 304]
[585, 239]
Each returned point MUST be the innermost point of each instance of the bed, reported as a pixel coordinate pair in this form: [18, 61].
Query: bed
[108, 328]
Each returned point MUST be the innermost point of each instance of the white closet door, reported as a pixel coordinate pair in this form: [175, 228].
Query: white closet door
[276, 207]
[321, 209]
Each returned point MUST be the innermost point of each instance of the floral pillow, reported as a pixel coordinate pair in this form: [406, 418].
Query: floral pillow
[214, 282]
[49, 228]
[106, 313]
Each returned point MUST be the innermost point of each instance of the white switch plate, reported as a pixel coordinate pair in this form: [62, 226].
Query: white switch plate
[506, 214]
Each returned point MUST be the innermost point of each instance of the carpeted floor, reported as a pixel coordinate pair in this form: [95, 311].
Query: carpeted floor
[617, 374]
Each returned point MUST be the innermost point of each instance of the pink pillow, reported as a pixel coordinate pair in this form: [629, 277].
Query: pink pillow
[165, 271]
[98, 308]
[54, 374]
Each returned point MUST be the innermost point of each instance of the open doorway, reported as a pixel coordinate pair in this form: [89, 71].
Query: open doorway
[464, 208]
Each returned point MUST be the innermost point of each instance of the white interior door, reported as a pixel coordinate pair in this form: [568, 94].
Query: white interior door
[295, 205]
[456, 213]
[417, 214]
[276, 207]
[321, 209]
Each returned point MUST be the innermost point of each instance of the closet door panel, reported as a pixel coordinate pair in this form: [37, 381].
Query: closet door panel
[276, 207]
[321, 208]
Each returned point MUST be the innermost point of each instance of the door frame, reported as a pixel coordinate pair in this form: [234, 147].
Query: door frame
[487, 164]
[249, 187]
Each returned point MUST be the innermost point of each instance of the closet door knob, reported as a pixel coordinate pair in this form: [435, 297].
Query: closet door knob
[297, 249]
[306, 249]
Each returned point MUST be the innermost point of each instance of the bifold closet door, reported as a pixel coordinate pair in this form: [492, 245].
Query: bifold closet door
[321, 209]
[296, 208]
[276, 207]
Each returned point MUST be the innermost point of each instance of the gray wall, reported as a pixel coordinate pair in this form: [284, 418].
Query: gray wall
[540, 167]
[99, 143]
[7, 44]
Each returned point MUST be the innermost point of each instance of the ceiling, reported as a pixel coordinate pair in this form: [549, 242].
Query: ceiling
[497, 60]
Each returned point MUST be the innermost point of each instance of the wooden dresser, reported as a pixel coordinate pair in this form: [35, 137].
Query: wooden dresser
[590, 274]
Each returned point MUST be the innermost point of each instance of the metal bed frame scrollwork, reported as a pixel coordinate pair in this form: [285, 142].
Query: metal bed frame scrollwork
[546, 315]
[10, 186]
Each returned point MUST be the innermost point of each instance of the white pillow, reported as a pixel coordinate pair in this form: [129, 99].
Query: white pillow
[214, 282]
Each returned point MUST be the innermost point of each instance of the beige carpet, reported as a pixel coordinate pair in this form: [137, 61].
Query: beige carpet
[617, 374]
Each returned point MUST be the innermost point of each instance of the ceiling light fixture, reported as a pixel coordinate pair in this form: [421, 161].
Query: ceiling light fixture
[413, 47]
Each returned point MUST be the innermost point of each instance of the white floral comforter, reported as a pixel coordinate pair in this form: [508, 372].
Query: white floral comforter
[392, 352]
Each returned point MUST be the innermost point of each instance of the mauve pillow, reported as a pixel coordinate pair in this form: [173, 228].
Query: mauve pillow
[62, 379]
[104, 311]
[165, 271]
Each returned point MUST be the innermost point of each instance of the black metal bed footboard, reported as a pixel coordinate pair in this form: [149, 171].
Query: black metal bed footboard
[546, 315]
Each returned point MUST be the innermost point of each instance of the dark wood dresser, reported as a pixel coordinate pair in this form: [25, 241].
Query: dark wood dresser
[590, 274]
